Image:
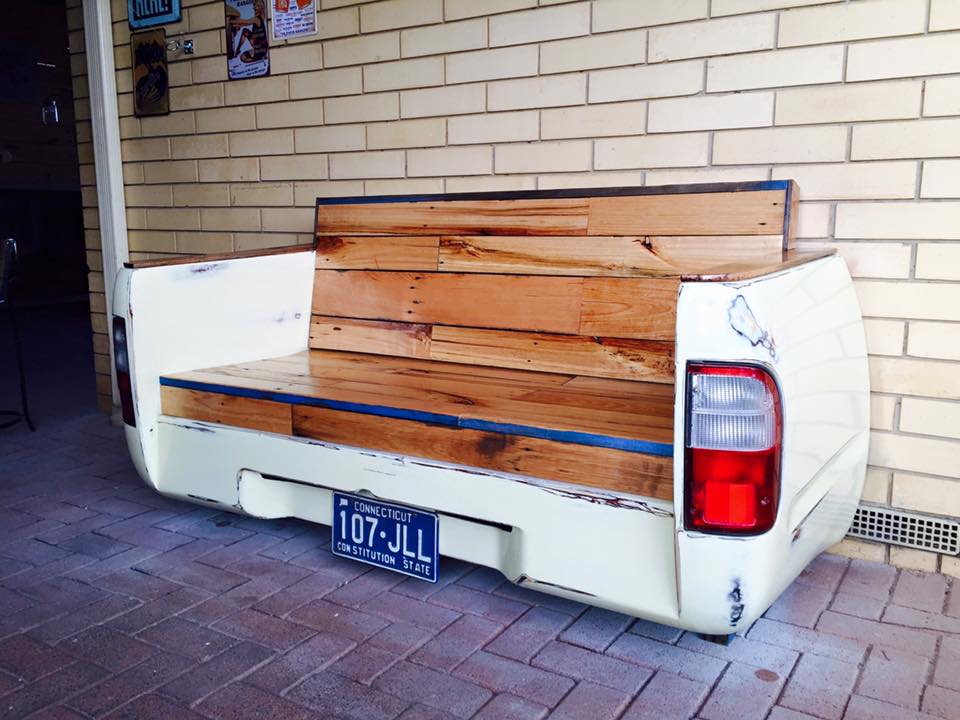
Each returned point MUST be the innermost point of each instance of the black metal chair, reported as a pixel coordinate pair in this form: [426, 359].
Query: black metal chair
[8, 271]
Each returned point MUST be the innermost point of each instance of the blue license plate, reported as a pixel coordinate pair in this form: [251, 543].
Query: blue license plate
[388, 536]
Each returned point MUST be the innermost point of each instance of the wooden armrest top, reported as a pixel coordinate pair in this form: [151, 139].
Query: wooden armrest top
[191, 259]
[744, 270]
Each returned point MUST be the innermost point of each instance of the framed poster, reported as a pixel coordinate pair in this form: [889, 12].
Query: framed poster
[151, 82]
[294, 18]
[248, 47]
[147, 13]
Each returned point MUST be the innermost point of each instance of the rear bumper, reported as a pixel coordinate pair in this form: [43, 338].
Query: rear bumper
[620, 553]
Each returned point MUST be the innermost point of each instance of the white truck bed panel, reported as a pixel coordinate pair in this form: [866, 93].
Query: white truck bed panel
[585, 561]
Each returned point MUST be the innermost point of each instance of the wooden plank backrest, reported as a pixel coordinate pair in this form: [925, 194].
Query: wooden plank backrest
[575, 281]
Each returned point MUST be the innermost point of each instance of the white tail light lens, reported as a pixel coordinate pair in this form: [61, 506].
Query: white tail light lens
[731, 412]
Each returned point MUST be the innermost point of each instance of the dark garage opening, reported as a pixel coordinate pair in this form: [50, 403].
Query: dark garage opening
[41, 208]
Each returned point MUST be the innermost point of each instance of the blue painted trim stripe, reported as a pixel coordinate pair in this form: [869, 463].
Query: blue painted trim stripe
[569, 436]
[560, 194]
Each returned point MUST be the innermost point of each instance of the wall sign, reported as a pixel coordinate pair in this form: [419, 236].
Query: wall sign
[294, 18]
[151, 82]
[147, 13]
[248, 46]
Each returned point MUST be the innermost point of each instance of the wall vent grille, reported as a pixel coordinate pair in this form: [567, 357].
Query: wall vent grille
[897, 527]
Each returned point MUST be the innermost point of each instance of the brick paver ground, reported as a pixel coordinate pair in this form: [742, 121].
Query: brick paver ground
[116, 602]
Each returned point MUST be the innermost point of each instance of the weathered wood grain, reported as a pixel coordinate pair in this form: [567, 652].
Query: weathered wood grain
[631, 410]
[643, 360]
[332, 363]
[791, 217]
[578, 256]
[715, 213]
[642, 308]
[398, 252]
[732, 272]
[535, 303]
[249, 413]
[606, 256]
[750, 212]
[634, 473]
[685, 254]
[379, 337]
[637, 308]
[548, 216]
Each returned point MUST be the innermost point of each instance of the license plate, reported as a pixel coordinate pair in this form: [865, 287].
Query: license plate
[385, 535]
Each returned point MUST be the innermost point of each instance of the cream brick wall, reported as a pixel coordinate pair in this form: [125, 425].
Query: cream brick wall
[859, 100]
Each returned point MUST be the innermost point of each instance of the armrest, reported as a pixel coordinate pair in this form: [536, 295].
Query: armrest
[190, 259]
[203, 313]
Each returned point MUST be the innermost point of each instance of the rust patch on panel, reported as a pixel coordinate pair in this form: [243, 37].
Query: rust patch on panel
[745, 324]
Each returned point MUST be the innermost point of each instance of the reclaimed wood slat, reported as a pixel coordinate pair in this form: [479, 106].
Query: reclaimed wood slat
[638, 308]
[632, 410]
[597, 421]
[604, 386]
[643, 360]
[691, 253]
[579, 256]
[244, 412]
[613, 256]
[645, 475]
[630, 308]
[397, 252]
[547, 216]
[451, 388]
[790, 222]
[628, 417]
[717, 213]
[409, 340]
[536, 303]
[330, 363]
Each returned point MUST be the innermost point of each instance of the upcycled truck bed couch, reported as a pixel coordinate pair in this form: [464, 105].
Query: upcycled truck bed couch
[644, 398]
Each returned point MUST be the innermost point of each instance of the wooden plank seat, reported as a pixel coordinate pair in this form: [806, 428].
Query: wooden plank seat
[592, 431]
[529, 332]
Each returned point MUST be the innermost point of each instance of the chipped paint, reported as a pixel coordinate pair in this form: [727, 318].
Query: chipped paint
[198, 428]
[744, 323]
[737, 606]
[525, 580]
[596, 499]
[205, 268]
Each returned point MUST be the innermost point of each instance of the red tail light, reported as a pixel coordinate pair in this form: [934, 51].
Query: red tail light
[121, 361]
[733, 442]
